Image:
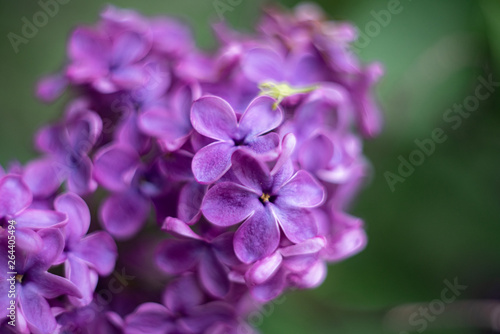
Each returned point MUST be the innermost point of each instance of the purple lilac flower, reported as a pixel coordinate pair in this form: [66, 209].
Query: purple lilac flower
[34, 285]
[266, 201]
[215, 118]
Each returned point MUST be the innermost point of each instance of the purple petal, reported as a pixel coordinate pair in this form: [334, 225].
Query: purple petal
[80, 179]
[88, 45]
[212, 162]
[40, 219]
[251, 172]
[123, 215]
[224, 250]
[78, 215]
[262, 65]
[52, 247]
[129, 77]
[262, 270]
[213, 117]
[51, 87]
[178, 256]
[282, 165]
[129, 47]
[301, 190]
[41, 177]
[179, 228]
[298, 224]
[114, 167]
[99, 250]
[149, 318]
[257, 237]
[28, 240]
[261, 117]
[51, 286]
[15, 196]
[228, 204]
[345, 244]
[213, 276]
[166, 125]
[183, 294]
[265, 146]
[308, 157]
[271, 289]
[36, 310]
[312, 278]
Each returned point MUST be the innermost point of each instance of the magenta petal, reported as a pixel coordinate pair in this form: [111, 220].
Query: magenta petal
[114, 167]
[86, 44]
[41, 177]
[212, 162]
[36, 310]
[262, 270]
[257, 237]
[265, 146]
[149, 318]
[123, 215]
[262, 65]
[39, 219]
[99, 250]
[228, 204]
[223, 249]
[213, 276]
[251, 172]
[177, 256]
[213, 117]
[78, 215]
[15, 196]
[346, 244]
[261, 117]
[298, 224]
[129, 47]
[301, 190]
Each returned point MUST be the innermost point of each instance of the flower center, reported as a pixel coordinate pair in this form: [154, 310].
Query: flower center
[265, 198]
[19, 278]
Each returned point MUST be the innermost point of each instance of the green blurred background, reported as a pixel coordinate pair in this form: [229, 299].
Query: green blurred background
[441, 223]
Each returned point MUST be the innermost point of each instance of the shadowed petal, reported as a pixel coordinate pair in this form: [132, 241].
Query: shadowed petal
[51, 286]
[257, 237]
[183, 294]
[123, 215]
[78, 272]
[114, 167]
[228, 204]
[177, 256]
[212, 162]
[149, 318]
[213, 276]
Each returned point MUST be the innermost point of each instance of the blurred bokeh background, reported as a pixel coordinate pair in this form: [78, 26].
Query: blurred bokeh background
[441, 223]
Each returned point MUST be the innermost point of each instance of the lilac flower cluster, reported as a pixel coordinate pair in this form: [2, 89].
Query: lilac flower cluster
[247, 159]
